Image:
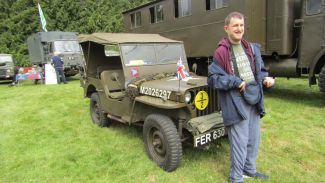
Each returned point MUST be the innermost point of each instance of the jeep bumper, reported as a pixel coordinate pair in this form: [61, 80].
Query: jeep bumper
[206, 128]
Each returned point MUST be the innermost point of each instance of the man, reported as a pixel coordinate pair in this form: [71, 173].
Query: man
[58, 65]
[16, 72]
[239, 75]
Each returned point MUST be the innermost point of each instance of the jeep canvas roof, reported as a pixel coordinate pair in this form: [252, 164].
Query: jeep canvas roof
[116, 38]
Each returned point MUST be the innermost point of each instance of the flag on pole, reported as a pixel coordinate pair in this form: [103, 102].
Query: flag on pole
[181, 73]
[41, 15]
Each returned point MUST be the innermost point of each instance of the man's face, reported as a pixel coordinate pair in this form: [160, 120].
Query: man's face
[235, 29]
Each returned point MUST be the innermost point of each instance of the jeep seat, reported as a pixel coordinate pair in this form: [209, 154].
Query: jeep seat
[113, 83]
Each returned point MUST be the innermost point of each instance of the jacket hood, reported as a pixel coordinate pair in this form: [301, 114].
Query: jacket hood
[224, 42]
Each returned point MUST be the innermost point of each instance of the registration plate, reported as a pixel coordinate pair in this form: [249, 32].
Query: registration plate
[209, 136]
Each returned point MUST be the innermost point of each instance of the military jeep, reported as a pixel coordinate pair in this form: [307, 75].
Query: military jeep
[131, 78]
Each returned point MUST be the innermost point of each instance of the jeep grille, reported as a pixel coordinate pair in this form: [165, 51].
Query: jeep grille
[3, 72]
[213, 101]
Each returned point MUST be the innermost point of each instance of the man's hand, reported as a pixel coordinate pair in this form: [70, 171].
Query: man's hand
[242, 86]
[268, 82]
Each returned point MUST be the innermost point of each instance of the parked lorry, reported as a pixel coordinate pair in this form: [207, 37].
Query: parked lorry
[7, 67]
[131, 78]
[291, 32]
[42, 45]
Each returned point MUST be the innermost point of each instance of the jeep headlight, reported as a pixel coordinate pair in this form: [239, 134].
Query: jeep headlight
[188, 97]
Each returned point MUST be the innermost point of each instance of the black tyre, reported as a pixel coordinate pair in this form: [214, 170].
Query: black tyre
[162, 141]
[97, 114]
[321, 83]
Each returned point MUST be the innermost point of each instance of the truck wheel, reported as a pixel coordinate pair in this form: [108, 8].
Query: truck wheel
[97, 115]
[162, 141]
[321, 83]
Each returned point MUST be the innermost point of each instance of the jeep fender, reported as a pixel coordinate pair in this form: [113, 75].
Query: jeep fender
[312, 66]
[152, 105]
[90, 89]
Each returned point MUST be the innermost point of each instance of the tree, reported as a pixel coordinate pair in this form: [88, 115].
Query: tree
[19, 19]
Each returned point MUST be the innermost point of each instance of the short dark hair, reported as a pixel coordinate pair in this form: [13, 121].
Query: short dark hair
[233, 15]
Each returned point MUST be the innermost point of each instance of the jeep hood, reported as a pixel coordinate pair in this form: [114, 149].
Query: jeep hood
[173, 84]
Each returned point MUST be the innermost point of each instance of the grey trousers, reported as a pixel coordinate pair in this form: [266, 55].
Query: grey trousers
[60, 72]
[244, 140]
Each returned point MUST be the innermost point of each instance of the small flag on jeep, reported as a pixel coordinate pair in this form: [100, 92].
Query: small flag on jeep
[181, 73]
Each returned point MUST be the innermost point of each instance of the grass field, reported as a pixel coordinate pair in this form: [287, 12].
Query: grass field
[46, 135]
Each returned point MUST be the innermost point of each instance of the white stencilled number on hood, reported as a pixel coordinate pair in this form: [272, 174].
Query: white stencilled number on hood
[155, 92]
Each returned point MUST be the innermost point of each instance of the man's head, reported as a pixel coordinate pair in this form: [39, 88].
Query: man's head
[234, 27]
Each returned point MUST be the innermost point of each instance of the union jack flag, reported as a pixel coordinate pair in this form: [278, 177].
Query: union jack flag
[181, 73]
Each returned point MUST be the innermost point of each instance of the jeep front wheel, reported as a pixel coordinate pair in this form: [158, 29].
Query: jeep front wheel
[321, 83]
[162, 141]
[97, 114]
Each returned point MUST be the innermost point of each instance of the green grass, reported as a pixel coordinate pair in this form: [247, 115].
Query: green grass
[46, 135]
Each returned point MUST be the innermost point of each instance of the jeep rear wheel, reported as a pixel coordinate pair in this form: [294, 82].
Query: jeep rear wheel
[162, 141]
[97, 114]
[321, 83]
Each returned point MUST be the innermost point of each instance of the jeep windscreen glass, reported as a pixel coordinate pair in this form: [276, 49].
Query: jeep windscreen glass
[66, 46]
[5, 59]
[169, 53]
[138, 54]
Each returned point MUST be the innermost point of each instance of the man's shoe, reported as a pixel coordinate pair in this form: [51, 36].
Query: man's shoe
[247, 177]
[257, 175]
[232, 181]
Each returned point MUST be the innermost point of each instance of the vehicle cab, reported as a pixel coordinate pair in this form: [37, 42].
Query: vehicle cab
[70, 53]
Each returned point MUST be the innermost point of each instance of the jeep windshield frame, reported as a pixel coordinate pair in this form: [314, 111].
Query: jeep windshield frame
[137, 54]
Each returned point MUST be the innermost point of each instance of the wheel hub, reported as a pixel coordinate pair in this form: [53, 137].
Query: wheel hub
[96, 110]
[158, 143]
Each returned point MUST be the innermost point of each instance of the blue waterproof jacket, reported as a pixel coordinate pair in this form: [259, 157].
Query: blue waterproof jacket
[227, 84]
[57, 62]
